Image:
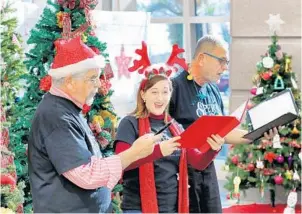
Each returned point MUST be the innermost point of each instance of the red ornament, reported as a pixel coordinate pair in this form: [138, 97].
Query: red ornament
[253, 91]
[278, 179]
[86, 109]
[45, 83]
[20, 209]
[280, 159]
[228, 196]
[123, 63]
[266, 75]
[7, 179]
[235, 160]
[108, 72]
[250, 167]
[268, 172]
[105, 87]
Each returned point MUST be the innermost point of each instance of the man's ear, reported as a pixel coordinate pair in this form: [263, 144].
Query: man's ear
[200, 59]
[68, 82]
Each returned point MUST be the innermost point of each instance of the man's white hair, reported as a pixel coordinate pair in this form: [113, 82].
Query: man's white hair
[207, 44]
[57, 82]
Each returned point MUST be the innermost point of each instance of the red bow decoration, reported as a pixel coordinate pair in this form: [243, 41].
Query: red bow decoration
[67, 3]
[45, 83]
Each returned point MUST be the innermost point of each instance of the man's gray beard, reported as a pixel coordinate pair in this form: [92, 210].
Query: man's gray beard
[90, 99]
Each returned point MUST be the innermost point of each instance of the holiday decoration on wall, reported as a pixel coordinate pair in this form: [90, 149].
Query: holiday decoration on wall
[122, 62]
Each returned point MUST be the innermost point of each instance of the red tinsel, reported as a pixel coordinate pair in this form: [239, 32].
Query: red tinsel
[45, 83]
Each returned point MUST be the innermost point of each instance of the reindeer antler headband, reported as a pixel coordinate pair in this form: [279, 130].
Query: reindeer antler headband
[143, 66]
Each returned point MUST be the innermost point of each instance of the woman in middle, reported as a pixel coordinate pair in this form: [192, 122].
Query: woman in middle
[159, 182]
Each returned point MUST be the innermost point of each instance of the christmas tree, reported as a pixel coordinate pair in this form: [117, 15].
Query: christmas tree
[12, 68]
[62, 19]
[264, 164]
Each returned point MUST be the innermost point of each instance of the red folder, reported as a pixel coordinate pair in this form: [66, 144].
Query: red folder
[195, 136]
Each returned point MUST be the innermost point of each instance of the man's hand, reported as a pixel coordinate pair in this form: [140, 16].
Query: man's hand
[141, 148]
[215, 142]
[271, 133]
[167, 147]
[144, 145]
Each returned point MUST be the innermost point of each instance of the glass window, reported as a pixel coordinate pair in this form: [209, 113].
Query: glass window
[161, 38]
[161, 8]
[212, 7]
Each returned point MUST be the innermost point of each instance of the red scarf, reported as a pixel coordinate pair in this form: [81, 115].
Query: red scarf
[147, 180]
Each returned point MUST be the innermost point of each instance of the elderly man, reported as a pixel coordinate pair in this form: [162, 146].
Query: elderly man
[66, 168]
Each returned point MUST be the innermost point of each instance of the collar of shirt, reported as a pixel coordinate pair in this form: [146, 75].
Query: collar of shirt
[57, 92]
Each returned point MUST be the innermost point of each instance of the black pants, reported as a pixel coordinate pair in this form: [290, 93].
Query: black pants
[204, 191]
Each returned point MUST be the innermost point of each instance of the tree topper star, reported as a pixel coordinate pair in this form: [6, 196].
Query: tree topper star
[274, 23]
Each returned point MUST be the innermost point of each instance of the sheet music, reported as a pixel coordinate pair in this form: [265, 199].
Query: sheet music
[272, 109]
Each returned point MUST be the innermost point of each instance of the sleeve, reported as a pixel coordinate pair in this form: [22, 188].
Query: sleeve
[127, 130]
[122, 146]
[99, 172]
[66, 147]
[199, 160]
[173, 101]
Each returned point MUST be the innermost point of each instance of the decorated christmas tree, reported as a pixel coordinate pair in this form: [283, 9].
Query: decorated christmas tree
[12, 68]
[62, 19]
[265, 164]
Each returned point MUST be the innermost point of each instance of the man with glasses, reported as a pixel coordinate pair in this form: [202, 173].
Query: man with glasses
[66, 169]
[195, 94]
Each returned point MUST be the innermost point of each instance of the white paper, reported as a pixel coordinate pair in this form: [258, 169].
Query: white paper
[272, 109]
[240, 111]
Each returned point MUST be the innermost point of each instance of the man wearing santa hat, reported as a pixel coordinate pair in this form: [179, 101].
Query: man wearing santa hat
[66, 169]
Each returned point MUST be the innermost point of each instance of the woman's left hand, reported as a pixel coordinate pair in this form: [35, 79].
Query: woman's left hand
[215, 142]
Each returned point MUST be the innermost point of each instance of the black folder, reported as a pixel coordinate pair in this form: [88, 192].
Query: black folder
[282, 104]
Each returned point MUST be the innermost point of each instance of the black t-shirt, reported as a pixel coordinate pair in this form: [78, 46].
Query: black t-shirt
[165, 169]
[59, 141]
[190, 101]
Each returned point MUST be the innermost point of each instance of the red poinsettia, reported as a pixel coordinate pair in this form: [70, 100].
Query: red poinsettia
[45, 83]
[270, 156]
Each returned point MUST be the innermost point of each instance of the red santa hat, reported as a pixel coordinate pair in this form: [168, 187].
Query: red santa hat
[72, 57]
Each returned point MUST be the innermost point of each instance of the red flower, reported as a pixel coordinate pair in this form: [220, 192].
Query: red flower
[45, 83]
[266, 75]
[270, 156]
[86, 109]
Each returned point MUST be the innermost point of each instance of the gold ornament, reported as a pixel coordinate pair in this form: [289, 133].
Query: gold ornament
[276, 68]
[236, 182]
[289, 175]
[84, 38]
[60, 19]
[295, 130]
[99, 120]
[287, 65]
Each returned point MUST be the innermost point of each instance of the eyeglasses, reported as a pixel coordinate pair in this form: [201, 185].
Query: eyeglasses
[222, 61]
[92, 80]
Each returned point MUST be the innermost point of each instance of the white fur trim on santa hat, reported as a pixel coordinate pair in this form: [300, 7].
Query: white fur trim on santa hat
[79, 67]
